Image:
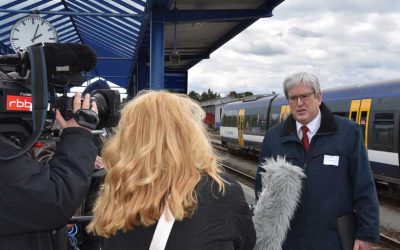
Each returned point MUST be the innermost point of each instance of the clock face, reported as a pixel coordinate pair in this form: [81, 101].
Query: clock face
[31, 30]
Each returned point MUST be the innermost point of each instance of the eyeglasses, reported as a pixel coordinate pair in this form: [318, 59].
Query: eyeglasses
[303, 97]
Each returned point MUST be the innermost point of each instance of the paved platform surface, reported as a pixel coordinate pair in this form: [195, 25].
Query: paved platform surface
[248, 194]
[389, 215]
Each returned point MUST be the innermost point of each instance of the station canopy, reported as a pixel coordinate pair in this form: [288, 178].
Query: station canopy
[120, 30]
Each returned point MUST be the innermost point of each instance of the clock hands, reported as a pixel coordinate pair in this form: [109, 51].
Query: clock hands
[37, 28]
[36, 36]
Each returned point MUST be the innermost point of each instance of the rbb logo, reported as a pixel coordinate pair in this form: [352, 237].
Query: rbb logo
[19, 103]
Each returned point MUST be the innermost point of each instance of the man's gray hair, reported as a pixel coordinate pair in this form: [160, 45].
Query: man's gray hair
[301, 78]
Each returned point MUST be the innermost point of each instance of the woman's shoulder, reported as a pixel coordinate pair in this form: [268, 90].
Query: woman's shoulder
[207, 181]
[209, 188]
[230, 182]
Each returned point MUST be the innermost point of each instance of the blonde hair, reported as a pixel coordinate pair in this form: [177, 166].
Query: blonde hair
[156, 158]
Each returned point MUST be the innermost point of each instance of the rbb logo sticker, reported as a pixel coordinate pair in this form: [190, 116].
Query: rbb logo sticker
[19, 103]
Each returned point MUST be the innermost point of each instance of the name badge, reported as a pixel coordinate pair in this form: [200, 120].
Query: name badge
[331, 160]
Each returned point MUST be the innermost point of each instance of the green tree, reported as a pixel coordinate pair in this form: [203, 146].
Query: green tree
[194, 95]
[233, 94]
[247, 93]
[209, 95]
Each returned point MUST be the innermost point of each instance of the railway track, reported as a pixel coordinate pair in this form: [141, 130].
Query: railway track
[389, 242]
[245, 178]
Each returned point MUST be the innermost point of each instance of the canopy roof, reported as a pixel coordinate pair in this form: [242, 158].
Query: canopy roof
[120, 30]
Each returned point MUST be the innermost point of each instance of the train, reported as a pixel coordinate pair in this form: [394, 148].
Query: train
[374, 106]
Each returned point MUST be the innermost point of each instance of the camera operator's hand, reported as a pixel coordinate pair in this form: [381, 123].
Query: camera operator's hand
[76, 106]
[99, 164]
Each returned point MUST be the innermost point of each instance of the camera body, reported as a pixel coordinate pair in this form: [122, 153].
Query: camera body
[15, 111]
[26, 74]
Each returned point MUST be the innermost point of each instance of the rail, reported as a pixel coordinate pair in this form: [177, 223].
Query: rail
[238, 173]
[390, 242]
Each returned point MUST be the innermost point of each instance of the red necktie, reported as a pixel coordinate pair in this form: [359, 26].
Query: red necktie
[306, 143]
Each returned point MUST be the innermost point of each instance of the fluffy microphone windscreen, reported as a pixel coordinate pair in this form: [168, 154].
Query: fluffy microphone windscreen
[282, 184]
[69, 57]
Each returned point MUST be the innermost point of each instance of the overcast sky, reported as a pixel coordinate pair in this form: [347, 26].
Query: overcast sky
[340, 41]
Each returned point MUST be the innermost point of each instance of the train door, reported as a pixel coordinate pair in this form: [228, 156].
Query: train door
[240, 125]
[354, 110]
[285, 112]
[359, 112]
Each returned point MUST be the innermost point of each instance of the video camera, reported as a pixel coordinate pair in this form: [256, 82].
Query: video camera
[36, 80]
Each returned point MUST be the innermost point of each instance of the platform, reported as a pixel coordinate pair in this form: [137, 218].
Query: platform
[248, 194]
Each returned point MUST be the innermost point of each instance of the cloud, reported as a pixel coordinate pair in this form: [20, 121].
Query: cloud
[303, 32]
[342, 42]
[262, 49]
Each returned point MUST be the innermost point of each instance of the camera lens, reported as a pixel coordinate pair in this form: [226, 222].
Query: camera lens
[101, 103]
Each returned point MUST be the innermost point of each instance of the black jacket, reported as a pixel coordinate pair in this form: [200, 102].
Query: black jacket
[219, 223]
[36, 198]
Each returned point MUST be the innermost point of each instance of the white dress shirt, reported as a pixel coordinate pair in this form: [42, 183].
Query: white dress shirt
[312, 126]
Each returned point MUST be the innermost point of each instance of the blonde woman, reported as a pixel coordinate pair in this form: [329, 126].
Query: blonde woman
[159, 158]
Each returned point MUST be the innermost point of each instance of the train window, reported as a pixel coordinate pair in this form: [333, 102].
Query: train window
[224, 120]
[353, 116]
[363, 121]
[255, 129]
[229, 118]
[246, 128]
[251, 124]
[262, 124]
[383, 131]
[274, 119]
[255, 121]
[255, 124]
[232, 121]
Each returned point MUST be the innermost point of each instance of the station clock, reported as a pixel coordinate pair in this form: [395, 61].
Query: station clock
[31, 30]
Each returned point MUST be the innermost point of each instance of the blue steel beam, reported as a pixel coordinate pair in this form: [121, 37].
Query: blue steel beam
[142, 74]
[161, 4]
[137, 59]
[71, 18]
[72, 13]
[228, 15]
[157, 55]
[190, 57]
[114, 58]
[157, 48]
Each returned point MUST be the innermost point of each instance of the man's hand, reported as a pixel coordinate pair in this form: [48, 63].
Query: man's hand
[76, 106]
[362, 245]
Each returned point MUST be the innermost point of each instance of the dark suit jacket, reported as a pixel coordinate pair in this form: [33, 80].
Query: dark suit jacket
[37, 197]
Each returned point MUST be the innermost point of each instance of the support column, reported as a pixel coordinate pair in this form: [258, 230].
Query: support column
[143, 73]
[157, 55]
